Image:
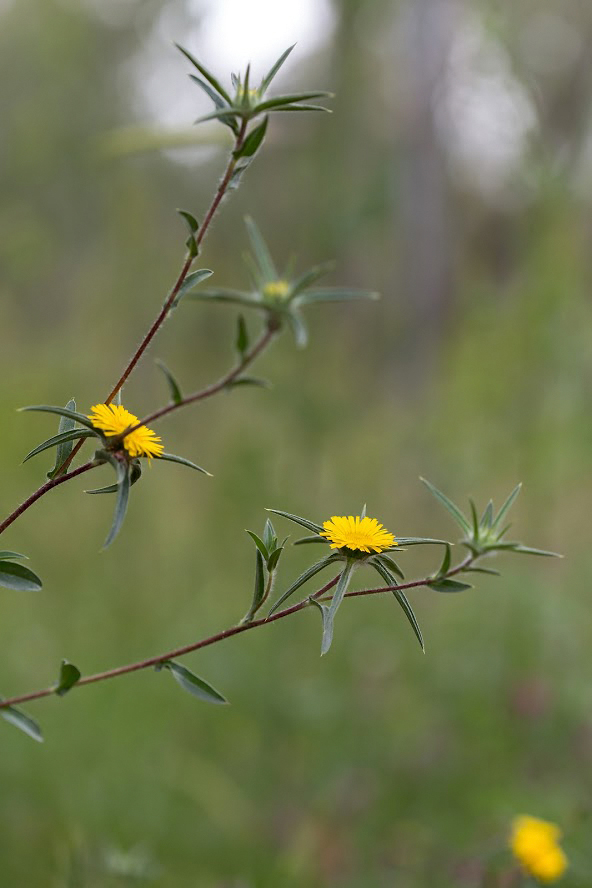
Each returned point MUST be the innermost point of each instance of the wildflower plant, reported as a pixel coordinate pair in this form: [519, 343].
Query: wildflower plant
[355, 545]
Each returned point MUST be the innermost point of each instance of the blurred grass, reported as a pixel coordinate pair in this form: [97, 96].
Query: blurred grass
[376, 765]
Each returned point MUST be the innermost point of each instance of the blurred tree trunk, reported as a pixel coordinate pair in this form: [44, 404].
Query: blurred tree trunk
[425, 277]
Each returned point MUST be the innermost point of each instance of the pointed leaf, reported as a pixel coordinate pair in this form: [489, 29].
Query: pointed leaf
[259, 543]
[336, 601]
[211, 93]
[59, 440]
[298, 328]
[269, 535]
[277, 101]
[191, 221]
[392, 565]
[196, 686]
[174, 390]
[327, 624]
[259, 590]
[18, 577]
[310, 539]
[69, 675]
[22, 721]
[61, 411]
[309, 277]
[417, 541]
[5, 553]
[64, 449]
[274, 69]
[190, 282]
[303, 108]
[448, 504]
[445, 566]
[242, 338]
[304, 577]
[262, 254]
[234, 297]
[304, 522]
[253, 141]
[482, 570]
[528, 550]
[170, 457]
[248, 380]
[206, 74]
[402, 599]
[334, 294]
[487, 517]
[445, 585]
[475, 520]
[135, 475]
[274, 558]
[123, 489]
[506, 507]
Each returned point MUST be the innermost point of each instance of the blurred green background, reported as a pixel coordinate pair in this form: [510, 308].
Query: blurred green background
[455, 177]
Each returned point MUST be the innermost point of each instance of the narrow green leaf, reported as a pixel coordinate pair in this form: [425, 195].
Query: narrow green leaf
[259, 543]
[64, 449]
[528, 550]
[69, 675]
[391, 564]
[274, 558]
[303, 108]
[401, 599]
[304, 522]
[445, 585]
[191, 221]
[445, 566]
[206, 74]
[262, 254]
[298, 327]
[5, 553]
[233, 297]
[304, 577]
[274, 69]
[269, 535]
[123, 489]
[22, 721]
[309, 277]
[170, 457]
[196, 686]
[475, 520]
[228, 118]
[211, 93]
[190, 283]
[334, 294]
[174, 390]
[482, 570]
[277, 101]
[242, 338]
[310, 539]
[253, 141]
[248, 380]
[18, 577]
[259, 589]
[135, 475]
[336, 601]
[487, 517]
[327, 624]
[417, 541]
[448, 504]
[59, 440]
[61, 411]
[506, 507]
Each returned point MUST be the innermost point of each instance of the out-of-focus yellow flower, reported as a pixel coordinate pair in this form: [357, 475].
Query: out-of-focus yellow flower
[358, 534]
[113, 419]
[535, 843]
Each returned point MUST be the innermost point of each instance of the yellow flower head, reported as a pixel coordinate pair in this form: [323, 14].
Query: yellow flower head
[276, 290]
[359, 534]
[113, 419]
[535, 843]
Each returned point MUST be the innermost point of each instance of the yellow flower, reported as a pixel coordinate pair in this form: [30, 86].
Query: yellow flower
[114, 420]
[276, 290]
[359, 534]
[535, 843]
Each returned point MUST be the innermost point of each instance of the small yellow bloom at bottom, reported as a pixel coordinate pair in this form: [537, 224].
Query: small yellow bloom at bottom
[535, 844]
[113, 419]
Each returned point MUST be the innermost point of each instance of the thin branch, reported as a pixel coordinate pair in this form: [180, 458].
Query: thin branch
[226, 633]
[45, 488]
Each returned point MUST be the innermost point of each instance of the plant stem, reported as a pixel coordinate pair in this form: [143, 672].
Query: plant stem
[226, 633]
[154, 328]
[213, 389]
[45, 488]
